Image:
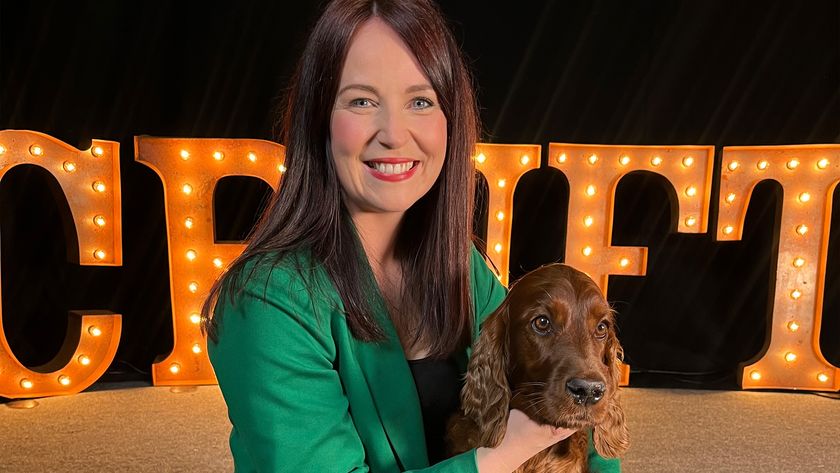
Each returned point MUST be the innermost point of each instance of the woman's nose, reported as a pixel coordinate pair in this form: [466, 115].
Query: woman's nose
[393, 129]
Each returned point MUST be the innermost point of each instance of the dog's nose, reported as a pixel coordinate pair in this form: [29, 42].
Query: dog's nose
[584, 391]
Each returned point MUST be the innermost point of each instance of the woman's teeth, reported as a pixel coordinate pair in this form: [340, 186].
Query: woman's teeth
[385, 168]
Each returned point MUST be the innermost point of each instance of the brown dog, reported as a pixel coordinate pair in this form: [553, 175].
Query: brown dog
[549, 350]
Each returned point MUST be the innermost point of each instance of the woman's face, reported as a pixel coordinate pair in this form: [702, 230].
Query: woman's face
[387, 131]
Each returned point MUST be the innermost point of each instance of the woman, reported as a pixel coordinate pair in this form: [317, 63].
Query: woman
[361, 272]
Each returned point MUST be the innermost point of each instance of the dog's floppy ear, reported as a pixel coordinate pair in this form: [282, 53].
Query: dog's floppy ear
[611, 437]
[486, 394]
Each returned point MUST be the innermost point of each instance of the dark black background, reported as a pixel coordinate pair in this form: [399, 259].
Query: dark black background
[633, 72]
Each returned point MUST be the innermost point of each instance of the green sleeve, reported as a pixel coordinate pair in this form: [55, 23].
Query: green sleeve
[274, 364]
[599, 464]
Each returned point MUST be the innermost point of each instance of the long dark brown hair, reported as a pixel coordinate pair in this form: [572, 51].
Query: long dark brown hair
[307, 212]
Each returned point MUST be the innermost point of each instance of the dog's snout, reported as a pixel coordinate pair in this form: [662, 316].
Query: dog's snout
[584, 391]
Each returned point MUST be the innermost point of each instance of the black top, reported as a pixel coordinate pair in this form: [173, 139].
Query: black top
[439, 388]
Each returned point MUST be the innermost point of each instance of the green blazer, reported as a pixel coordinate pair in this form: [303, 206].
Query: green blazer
[303, 395]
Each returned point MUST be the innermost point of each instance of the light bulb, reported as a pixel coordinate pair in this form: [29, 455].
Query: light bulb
[500, 215]
[187, 189]
[498, 247]
[790, 357]
[690, 221]
[688, 161]
[587, 221]
[733, 165]
[793, 326]
[174, 368]
[99, 254]
[823, 163]
[99, 221]
[795, 294]
[625, 160]
[69, 166]
[36, 150]
[185, 154]
[691, 191]
[524, 159]
[624, 262]
[792, 164]
[252, 157]
[822, 377]
[98, 186]
[590, 190]
[501, 183]
[481, 158]
[804, 197]
[802, 229]
[94, 330]
[26, 384]
[2, 149]
[64, 380]
[191, 255]
[281, 168]
[728, 229]
[562, 158]
[195, 318]
[799, 262]
[586, 251]
[196, 348]
[84, 360]
[593, 159]
[97, 151]
[656, 161]
[188, 222]
[193, 287]
[730, 198]
[218, 155]
[762, 165]
[755, 375]
[217, 262]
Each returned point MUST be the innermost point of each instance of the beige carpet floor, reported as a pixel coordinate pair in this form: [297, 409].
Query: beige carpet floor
[151, 429]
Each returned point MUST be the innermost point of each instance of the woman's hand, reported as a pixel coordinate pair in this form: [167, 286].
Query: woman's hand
[523, 439]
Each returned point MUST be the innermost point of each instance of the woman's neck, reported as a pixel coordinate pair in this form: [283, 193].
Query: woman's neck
[378, 234]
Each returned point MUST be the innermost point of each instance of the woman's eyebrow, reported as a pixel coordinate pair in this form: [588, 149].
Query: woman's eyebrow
[369, 88]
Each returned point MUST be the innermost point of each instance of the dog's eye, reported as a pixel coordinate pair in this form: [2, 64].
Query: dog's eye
[601, 330]
[541, 324]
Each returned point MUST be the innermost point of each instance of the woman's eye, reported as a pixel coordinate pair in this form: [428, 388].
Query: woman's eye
[361, 103]
[421, 103]
[541, 324]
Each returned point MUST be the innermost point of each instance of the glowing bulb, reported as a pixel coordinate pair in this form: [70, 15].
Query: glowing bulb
[187, 189]
[730, 198]
[97, 151]
[188, 222]
[501, 183]
[688, 161]
[218, 155]
[84, 360]
[191, 255]
[755, 375]
[691, 191]
[690, 221]
[822, 163]
[193, 287]
[99, 254]
[586, 251]
[195, 318]
[762, 165]
[593, 159]
[196, 348]
[281, 168]
[36, 150]
[26, 384]
[656, 161]
[498, 247]
[624, 262]
[799, 262]
[69, 166]
[500, 215]
[822, 377]
[562, 158]
[795, 294]
[217, 262]
[99, 221]
[2, 149]
[174, 368]
[792, 164]
[185, 154]
[790, 357]
[804, 197]
[802, 229]
[98, 186]
[524, 159]
[624, 160]
[252, 157]
[95, 331]
[793, 326]
[728, 229]
[64, 380]
[733, 165]
[481, 158]
[588, 221]
[590, 190]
